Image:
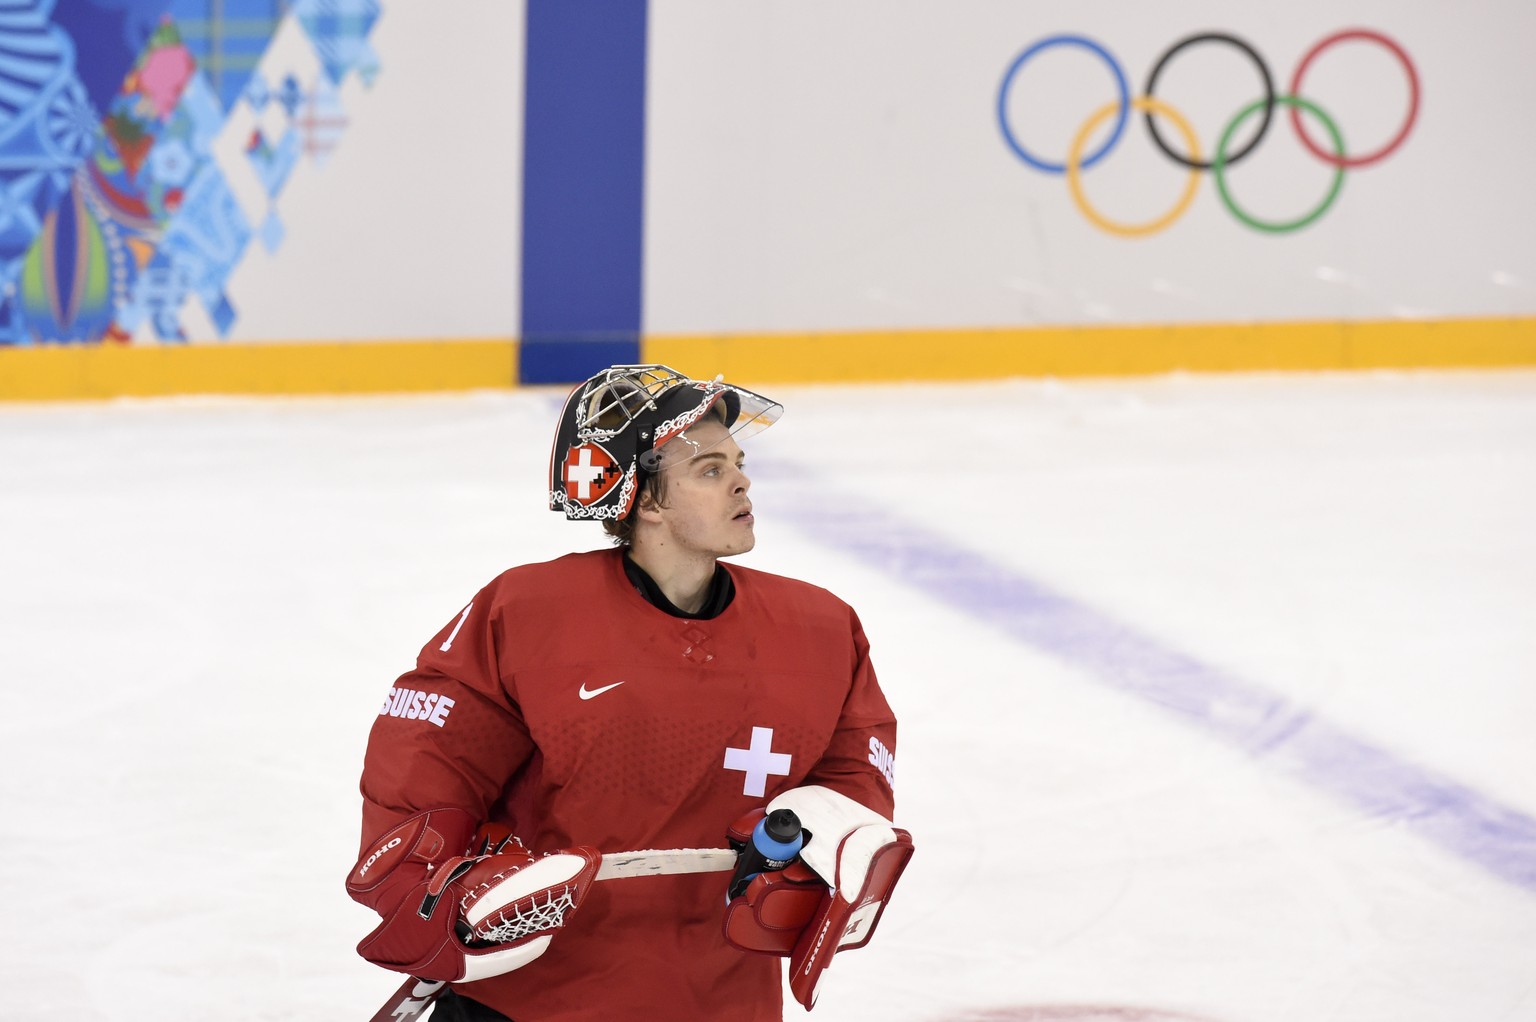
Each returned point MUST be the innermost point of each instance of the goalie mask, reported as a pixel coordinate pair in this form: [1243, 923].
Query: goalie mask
[614, 426]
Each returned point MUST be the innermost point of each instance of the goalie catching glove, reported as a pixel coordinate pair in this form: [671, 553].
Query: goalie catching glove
[464, 917]
[831, 899]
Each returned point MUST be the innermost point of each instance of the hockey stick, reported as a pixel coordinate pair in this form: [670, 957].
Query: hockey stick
[665, 862]
[416, 995]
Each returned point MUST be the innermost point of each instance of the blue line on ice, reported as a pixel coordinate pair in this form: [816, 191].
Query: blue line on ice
[1262, 723]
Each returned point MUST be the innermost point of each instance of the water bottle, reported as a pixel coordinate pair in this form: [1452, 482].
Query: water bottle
[776, 842]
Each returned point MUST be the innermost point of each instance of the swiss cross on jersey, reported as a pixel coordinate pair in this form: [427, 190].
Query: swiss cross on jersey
[589, 473]
[757, 761]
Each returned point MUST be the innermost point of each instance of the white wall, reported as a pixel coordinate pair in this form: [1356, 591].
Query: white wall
[411, 228]
[820, 165]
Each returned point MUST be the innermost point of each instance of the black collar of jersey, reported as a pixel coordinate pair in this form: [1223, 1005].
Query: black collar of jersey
[721, 591]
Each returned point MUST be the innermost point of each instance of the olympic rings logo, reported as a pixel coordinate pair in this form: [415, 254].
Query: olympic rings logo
[1224, 156]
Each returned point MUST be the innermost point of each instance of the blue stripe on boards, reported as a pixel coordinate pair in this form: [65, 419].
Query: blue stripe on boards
[583, 187]
[1261, 723]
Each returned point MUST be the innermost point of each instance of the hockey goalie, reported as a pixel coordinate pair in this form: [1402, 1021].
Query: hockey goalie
[617, 709]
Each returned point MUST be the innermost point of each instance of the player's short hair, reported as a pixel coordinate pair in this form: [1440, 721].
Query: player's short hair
[653, 491]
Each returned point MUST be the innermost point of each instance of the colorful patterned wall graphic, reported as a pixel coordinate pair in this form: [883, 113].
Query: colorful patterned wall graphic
[143, 146]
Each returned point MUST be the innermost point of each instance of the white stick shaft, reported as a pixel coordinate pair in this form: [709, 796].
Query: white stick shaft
[665, 862]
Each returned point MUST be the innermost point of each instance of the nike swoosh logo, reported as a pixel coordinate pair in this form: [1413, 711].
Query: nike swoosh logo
[592, 693]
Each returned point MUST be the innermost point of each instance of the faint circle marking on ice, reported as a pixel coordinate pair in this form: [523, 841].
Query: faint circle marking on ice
[1076, 1013]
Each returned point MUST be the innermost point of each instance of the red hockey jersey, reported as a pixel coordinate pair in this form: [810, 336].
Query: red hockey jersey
[564, 704]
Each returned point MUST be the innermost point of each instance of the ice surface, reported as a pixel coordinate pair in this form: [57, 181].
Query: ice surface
[205, 600]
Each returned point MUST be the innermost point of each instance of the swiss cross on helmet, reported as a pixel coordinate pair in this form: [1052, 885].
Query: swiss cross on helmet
[614, 426]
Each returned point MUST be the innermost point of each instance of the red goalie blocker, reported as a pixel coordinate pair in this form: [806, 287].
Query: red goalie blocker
[830, 901]
[847, 916]
[775, 909]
